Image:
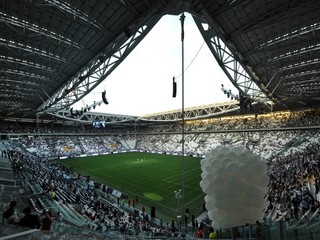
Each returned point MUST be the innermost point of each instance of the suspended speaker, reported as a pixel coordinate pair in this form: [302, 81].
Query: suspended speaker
[174, 88]
[245, 103]
[71, 111]
[104, 99]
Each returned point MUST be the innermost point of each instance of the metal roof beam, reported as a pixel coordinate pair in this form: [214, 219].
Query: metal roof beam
[12, 21]
[25, 74]
[300, 74]
[306, 64]
[310, 83]
[306, 42]
[194, 113]
[234, 65]
[28, 83]
[22, 47]
[88, 117]
[75, 13]
[16, 92]
[13, 61]
[295, 52]
[268, 17]
[90, 76]
[128, 6]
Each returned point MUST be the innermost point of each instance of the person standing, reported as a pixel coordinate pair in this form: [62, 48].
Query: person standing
[193, 223]
[258, 230]
[173, 228]
[247, 231]
[143, 210]
[46, 221]
[199, 233]
[161, 223]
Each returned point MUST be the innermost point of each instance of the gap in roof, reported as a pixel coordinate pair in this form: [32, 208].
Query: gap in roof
[142, 83]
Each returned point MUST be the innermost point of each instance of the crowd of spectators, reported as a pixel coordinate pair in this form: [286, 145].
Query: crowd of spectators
[274, 120]
[58, 146]
[56, 128]
[292, 157]
[294, 182]
[61, 185]
[29, 220]
[263, 143]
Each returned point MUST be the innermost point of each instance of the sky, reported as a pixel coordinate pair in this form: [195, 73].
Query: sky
[142, 83]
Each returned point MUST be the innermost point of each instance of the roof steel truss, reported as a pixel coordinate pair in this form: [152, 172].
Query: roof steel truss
[98, 69]
[234, 66]
[18, 23]
[194, 113]
[89, 117]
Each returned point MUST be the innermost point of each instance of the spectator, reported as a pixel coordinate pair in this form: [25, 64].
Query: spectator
[143, 210]
[199, 233]
[29, 220]
[59, 216]
[46, 219]
[247, 231]
[258, 230]
[173, 228]
[10, 216]
[213, 234]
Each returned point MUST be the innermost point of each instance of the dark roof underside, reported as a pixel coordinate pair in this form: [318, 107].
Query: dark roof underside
[44, 43]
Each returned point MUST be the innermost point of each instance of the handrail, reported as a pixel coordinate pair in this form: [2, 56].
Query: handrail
[12, 236]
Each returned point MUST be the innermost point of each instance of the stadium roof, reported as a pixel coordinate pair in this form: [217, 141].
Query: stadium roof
[54, 52]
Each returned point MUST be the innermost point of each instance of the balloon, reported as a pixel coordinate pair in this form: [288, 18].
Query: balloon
[235, 182]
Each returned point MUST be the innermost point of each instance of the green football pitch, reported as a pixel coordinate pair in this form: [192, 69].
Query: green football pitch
[154, 178]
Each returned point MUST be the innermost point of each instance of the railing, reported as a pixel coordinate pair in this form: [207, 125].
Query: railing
[273, 231]
[15, 232]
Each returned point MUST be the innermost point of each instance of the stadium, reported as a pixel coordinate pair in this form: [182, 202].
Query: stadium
[243, 168]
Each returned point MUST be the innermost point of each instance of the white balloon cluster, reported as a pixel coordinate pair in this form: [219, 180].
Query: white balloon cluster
[234, 181]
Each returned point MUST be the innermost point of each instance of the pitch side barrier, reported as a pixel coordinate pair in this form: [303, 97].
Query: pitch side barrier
[125, 151]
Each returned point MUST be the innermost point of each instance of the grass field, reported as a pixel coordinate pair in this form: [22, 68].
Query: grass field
[151, 177]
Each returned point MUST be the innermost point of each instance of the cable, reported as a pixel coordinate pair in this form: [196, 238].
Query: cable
[192, 60]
